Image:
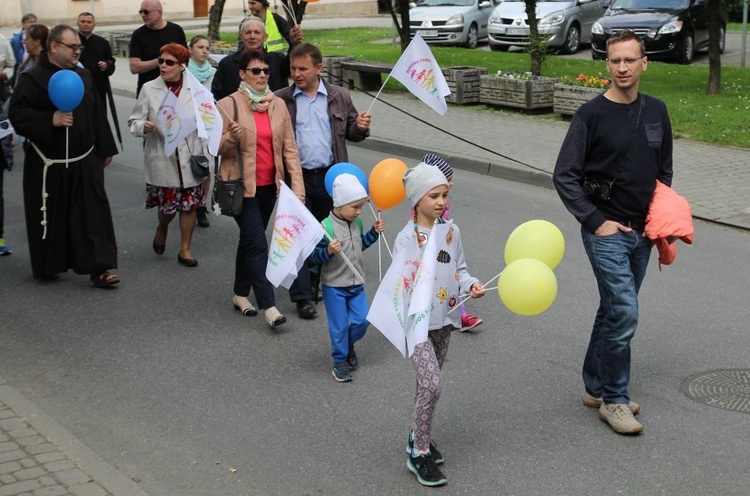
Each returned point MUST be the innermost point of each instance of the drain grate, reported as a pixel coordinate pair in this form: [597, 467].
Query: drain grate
[728, 389]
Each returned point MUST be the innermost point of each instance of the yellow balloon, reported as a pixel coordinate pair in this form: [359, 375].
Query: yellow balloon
[539, 239]
[527, 286]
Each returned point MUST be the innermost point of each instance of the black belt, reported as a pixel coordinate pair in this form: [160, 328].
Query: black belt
[319, 170]
[632, 224]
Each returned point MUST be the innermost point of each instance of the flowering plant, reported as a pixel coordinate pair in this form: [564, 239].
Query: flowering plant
[586, 81]
[522, 76]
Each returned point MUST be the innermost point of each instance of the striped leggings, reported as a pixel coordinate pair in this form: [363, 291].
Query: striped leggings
[428, 361]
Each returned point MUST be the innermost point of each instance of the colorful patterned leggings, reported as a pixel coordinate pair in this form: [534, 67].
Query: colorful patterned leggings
[428, 360]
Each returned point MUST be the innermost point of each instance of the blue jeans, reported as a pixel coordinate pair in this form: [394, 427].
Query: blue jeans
[619, 262]
[347, 318]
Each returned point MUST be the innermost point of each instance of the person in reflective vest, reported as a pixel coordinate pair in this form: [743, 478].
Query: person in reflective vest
[277, 28]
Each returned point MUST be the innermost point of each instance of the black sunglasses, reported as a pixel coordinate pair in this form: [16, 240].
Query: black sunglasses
[169, 62]
[258, 70]
[145, 12]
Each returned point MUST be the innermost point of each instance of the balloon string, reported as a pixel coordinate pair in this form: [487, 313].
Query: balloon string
[382, 235]
[469, 294]
[67, 144]
[294, 18]
[467, 297]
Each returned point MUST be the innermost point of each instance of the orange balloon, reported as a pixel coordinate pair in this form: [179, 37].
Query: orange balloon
[386, 183]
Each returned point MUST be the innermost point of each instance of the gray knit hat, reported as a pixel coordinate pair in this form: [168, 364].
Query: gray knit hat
[347, 189]
[421, 179]
[440, 163]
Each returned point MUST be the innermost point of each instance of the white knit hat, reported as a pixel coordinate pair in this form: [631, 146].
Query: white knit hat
[421, 179]
[347, 189]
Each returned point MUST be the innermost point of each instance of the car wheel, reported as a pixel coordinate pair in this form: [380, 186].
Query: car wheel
[472, 39]
[722, 39]
[572, 40]
[499, 48]
[596, 55]
[687, 50]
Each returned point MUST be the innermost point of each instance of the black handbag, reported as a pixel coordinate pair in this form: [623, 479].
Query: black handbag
[228, 195]
[199, 165]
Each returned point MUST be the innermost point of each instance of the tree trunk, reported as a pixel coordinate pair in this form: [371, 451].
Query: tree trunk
[214, 19]
[536, 46]
[404, 30]
[715, 9]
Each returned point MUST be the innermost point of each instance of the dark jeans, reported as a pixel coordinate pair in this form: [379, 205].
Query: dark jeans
[320, 204]
[252, 250]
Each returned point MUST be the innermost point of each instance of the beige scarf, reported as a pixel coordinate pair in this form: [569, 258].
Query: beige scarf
[259, 100]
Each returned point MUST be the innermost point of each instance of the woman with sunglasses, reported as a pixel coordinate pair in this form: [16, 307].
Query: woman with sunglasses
[260, 139]
[170, 183]
[201, 68]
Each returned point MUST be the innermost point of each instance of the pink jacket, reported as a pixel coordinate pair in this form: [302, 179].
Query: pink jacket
[669, 219]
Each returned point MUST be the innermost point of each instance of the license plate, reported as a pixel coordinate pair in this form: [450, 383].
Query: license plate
[428, 32]
[521, 31]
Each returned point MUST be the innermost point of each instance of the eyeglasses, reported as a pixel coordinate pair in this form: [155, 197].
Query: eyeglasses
[75, 48]
[169, 62]
[628, 61]
[147, 12]
[257, 70]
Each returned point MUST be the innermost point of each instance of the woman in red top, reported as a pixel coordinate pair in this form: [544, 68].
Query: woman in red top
[262, 132]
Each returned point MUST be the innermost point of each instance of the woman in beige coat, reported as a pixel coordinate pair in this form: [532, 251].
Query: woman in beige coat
[170, 183]
[260, 140]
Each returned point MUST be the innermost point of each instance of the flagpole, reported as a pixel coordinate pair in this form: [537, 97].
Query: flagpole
[348, 262]
[379, 91]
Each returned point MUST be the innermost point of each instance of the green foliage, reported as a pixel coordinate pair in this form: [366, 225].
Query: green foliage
[720, 119]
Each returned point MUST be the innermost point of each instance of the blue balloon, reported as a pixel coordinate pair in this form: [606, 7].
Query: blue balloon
[345, 168]
[65, 90]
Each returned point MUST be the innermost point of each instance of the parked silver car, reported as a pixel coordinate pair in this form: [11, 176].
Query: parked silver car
[450, 22]
[564, 24]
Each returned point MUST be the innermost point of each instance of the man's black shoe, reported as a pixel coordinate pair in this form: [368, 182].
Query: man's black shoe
[428, 474]
[306, 309]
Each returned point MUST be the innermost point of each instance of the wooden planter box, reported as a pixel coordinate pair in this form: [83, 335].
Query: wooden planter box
[332, 71]
[463, 82]
[528, 95]
[569, 98]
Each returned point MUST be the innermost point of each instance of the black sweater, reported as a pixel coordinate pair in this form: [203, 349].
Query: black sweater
[598, 139]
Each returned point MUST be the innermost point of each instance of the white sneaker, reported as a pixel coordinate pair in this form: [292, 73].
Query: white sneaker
[620, 418]
[595, 402]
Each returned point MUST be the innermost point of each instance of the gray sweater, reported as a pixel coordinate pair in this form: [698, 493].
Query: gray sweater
[335, 272]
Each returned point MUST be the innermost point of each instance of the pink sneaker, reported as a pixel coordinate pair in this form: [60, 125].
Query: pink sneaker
[469, 322]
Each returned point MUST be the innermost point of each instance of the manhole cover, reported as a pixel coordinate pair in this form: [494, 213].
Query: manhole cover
[728, 389]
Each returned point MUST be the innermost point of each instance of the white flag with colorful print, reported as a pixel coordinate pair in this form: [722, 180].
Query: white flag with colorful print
[207, 116]
[423, 292]
[418, 70]
[176, 122]
[389, 309]
[295, 234]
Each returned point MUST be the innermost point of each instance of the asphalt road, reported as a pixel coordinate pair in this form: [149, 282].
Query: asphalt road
[167, 383]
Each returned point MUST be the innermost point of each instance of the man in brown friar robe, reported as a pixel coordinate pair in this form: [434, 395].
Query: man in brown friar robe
[68, 219]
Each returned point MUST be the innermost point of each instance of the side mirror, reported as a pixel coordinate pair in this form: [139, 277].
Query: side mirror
[484, 4]
[412, 5]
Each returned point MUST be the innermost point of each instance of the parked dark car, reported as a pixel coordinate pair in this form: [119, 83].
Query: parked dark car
[670, 29]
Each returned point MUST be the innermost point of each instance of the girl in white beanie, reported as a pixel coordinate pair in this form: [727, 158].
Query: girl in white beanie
[427, 189]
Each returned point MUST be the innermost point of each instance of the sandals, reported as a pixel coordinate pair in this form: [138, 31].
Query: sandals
[103, 280]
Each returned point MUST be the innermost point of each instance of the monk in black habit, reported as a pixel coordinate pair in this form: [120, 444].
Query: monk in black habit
[73, 228]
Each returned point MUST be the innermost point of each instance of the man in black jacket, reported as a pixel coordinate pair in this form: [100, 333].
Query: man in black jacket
[96, 55]
[252, 36]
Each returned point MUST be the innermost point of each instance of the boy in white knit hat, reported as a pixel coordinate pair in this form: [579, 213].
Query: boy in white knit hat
[343, 290]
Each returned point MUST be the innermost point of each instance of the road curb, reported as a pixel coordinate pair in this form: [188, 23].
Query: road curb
[500, 171]
[94, 466]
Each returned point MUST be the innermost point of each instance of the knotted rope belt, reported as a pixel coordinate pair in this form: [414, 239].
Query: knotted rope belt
[47, 163]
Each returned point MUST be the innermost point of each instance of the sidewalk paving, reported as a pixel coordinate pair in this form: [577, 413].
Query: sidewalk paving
[39, 457]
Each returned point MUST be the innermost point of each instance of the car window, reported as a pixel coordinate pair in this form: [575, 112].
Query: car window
[649, 4]
[445, 3]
